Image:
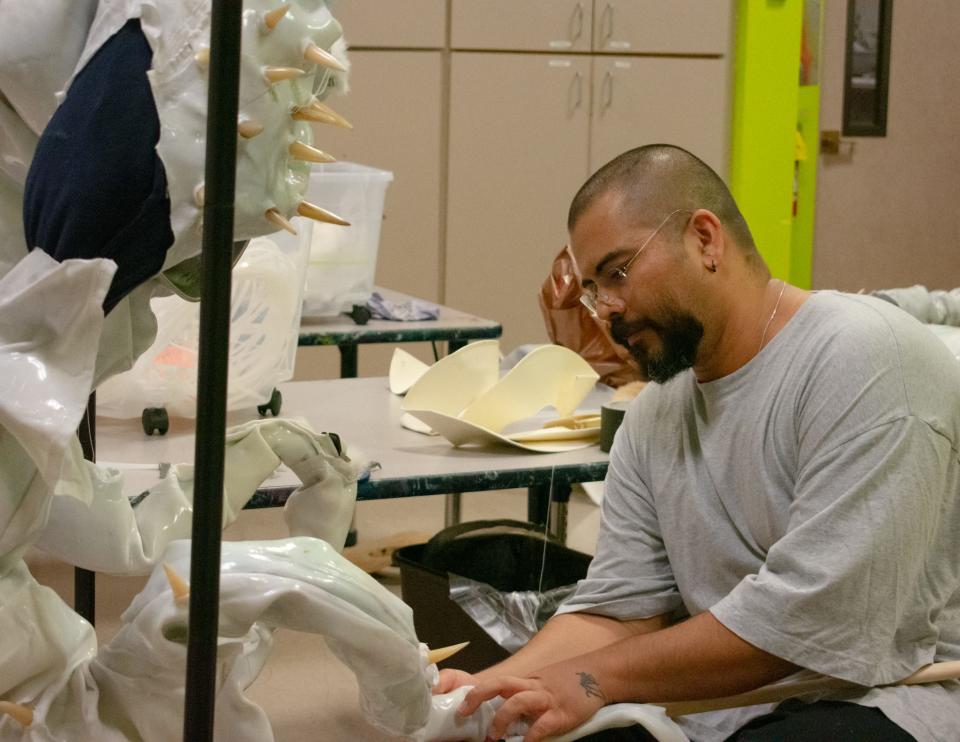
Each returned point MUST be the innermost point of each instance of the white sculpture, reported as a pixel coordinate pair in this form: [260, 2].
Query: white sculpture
[56, 346]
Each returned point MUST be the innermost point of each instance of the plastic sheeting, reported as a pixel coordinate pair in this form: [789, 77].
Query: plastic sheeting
[571, 325]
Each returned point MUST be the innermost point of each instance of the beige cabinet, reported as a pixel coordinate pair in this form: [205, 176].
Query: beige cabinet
[527, 25]
[674, 100]
[662, 26]
[395, 107]
[392, 24]
[519, 132]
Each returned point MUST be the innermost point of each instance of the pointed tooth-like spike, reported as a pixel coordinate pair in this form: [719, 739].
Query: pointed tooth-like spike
[337, 119]
[22, 714]
[202, 57]
[248, 128]
[308, 114]
[312, 211]
[315, 54]
[305, 152]
[274, 216]
[276, 74]
[271, 19]
[439, 655]
[177, 583]
[199, 194]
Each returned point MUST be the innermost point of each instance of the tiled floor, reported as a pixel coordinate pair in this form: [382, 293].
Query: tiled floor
[307, 693]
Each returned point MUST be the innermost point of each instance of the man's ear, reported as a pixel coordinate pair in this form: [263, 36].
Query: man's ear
[708, 232]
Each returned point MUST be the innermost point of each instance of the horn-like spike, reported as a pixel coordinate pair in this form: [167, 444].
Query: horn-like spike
[315, 54]
[305, 152]
[271, 19]
[327, 111]
[248, 128]
[312, 211]
[199, 194]
[177, 583]
[274, 216]
[276, 74]
[202, 57]
[309, 114]
[22, 714]
[439, 655]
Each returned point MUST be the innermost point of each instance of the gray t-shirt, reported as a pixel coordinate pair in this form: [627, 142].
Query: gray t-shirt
[810, 500]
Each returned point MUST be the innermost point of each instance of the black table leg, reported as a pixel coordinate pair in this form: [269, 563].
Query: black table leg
[348, 370]
[540, 506]
[85, 581]
[348, 360]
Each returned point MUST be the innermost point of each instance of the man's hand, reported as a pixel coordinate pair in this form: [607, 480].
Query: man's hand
[451, 679]
[551, 701]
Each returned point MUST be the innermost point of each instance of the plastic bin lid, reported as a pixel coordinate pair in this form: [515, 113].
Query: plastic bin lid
[349, 171]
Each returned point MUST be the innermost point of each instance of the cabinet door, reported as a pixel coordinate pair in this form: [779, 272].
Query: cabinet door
[518, 136]
[524, 25]
[662, 26]
[394, 105]
[392, 24]
[670, 100]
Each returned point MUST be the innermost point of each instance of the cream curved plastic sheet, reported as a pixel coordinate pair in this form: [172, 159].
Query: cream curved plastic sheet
[463, 398]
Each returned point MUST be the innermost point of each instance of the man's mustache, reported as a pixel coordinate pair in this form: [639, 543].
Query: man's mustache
[621, 329]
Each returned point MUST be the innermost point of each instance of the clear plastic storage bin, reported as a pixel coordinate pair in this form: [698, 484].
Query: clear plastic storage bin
[343, 260]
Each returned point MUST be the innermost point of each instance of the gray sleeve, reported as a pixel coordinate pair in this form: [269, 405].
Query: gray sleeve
[630, 576]
[855, 586]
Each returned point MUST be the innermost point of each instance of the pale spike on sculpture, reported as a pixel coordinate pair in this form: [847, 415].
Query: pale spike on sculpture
[22, 714]
[301, 151]
[275, 217]
[312, 211]
[248, 128]
[271, 19]
[308, 114]
[337, 119]
[177, 584]
[199, 194]
[278, 74]
[439, 655]
[315, 54]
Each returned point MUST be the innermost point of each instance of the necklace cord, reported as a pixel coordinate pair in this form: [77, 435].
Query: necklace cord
[773, 314]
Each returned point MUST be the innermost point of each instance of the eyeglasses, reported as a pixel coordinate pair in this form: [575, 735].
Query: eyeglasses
[592, 295]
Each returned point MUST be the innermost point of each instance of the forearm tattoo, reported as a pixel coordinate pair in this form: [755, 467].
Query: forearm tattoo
[591, 687]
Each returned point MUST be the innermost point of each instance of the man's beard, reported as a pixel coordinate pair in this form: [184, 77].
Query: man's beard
[679, 335]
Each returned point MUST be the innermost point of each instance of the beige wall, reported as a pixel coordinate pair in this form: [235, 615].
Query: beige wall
[887, 214]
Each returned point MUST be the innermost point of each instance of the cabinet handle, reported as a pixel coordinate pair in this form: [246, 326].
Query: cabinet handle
[606, 91]
[606, 24]
[576, 90]
[576, 22]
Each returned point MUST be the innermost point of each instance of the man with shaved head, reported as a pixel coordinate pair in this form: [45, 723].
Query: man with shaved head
[785, 497]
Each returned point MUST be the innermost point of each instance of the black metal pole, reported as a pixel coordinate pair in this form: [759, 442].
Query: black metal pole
[219, 187]
[85, 581]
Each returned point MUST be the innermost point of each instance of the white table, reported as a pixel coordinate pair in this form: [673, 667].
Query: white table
[366, 415]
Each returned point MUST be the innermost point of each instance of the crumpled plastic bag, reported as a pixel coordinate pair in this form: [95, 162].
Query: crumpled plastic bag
[571, 325]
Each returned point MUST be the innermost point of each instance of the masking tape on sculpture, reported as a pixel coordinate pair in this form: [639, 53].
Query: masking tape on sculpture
[463, 398]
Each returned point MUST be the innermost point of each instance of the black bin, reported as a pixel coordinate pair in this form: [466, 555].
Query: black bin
[504, 554]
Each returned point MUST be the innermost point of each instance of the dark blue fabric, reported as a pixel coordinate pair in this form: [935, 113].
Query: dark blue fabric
[96, 188]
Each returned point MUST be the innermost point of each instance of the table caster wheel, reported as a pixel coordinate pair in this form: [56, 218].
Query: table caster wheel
[273, 406]
[360, 314]
[154, 419]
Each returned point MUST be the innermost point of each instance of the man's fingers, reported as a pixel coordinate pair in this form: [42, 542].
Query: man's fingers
[451, 680]
[528, 705]
[484, 691]
[549, 724]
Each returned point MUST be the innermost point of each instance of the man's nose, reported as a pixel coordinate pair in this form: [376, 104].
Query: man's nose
[610, 306]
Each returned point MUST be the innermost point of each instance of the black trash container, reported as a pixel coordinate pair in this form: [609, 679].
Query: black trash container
[505, 554]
